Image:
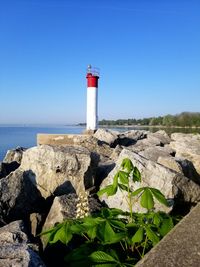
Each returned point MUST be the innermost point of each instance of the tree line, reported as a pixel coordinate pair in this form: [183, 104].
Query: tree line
[184, 119]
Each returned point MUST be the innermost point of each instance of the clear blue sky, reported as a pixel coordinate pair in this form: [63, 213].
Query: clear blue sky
[148, 52]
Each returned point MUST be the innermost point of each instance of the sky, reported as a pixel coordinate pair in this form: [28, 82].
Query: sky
[148, 52]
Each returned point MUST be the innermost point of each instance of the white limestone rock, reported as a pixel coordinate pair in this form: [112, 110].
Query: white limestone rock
[59, 170]
[187, 146]
[169, 182]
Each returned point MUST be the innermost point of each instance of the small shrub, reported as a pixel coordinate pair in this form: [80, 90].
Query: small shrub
[113, 237]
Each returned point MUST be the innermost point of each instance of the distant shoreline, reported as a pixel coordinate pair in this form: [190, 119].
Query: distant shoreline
[149, 126]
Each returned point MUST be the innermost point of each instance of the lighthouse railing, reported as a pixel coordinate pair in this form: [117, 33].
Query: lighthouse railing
[94, 71]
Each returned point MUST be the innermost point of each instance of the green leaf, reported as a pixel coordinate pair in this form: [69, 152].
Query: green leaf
[166, 226]
[152, 236]
[115, 180]
[127, 164]
[116, 212]
[91, 221]
[123, 187]
[102, 257]
[118, 224]
[79, 256]
[159, 196]
[116, 238]
[137, 191]
[113, 253]
[131, 225]
[138, 236]
[110, 190]
[106, 234]
[123, 177]
[92, 232]
[136, 175]
[77, 228]
[63, 234]
[105, 212]
[157, 219]
[147, 199]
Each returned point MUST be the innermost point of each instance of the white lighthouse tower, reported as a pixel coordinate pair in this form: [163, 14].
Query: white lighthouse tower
[92, 98]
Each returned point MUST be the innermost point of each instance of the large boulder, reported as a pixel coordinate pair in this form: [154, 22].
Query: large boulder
[15, 249]
[7, 168]
[14, 155]
[154, 152]
[3, 171]
[131, 137]
[169, 182]
[187, 146]
[162, 136]
[18, 196]
[99, 150]
[69, 206]
[188, 169]
[171, 163]
[59, 170]
[107, 136]
[11, 161]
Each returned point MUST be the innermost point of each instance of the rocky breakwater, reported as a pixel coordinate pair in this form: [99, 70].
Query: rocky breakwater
[47, 184]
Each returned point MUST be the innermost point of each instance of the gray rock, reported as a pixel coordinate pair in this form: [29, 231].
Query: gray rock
[15, 249]
[153, 153]
[36, 222]
[159, 138]
[116, 151]
[13, 233]
[7, 168]
[107, 136]
[170, 163]
[99, 150]
[185, 190]
[3, 172]
[187, 146]
[69, 207]
[11, 161]
[104, 168]
[59, 170]
[141, 145]
[131, 137]
[18, 196]
[19, 256]
[188, 169]
[172, 184]
[162, 136]
[14, 155]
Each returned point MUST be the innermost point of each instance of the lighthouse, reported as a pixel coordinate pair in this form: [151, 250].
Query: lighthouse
[92, 98]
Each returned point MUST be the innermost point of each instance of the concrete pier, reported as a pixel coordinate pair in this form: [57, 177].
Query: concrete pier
[61, 139]
[179, 248]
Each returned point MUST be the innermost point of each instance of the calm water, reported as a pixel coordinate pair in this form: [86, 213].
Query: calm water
[11, 137]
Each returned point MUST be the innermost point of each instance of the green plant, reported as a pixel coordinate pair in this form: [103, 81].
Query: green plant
[113, 237]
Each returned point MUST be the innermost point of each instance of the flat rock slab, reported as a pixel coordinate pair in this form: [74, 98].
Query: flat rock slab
[61, 139]
[180, 248]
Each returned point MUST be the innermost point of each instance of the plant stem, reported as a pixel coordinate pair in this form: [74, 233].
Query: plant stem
[138, 252]
[130, 203]
[145, 243]
[122, 246]
[86, 237]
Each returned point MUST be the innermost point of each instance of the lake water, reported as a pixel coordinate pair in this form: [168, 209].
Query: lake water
[11, 137]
